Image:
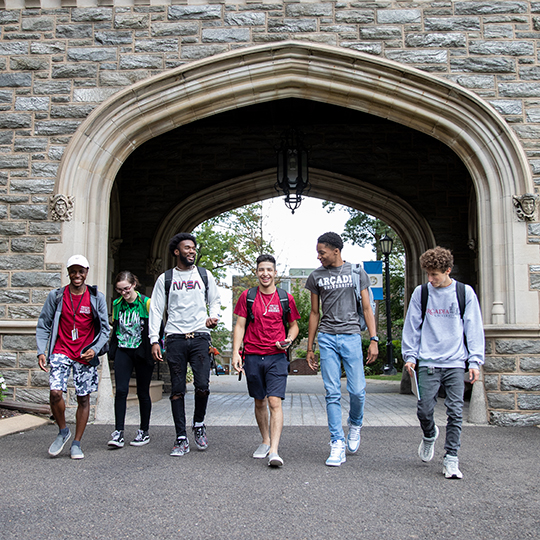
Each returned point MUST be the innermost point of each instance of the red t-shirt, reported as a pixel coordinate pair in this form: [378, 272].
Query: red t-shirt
[84, 323]
[267, 328]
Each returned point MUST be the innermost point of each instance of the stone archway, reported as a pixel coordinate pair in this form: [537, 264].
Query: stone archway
[464, 122]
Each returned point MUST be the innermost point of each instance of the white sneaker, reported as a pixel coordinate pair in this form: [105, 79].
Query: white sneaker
[262, 451]
[451, 467]
[337, 454]
[427, 446]
[353, 439]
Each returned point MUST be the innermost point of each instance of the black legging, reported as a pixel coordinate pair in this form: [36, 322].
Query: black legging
[124, 362]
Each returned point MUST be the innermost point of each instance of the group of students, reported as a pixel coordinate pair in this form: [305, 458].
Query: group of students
[442, 333]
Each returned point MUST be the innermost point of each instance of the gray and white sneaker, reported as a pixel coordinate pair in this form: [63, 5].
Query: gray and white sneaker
[117, 439]
[353, 439]
[141, 438]
[426, 450]
[76, 452]
[337, 454]
[274, 460]
[181, 447]
[451, 467]
[58, 444]
[262, 451]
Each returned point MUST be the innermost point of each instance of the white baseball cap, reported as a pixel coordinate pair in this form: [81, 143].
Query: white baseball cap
[78, 259]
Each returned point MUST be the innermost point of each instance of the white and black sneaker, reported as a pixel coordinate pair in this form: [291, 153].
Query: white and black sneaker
[117, 439]
[141, 438]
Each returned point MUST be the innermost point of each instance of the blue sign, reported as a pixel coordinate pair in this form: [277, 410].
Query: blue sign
[374, 271]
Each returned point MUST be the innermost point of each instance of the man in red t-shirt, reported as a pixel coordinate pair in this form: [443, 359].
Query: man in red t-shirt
[264, 361]
[71, 332]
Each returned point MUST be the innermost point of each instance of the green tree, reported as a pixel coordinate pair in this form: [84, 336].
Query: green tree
[302, 299]
[232, 240]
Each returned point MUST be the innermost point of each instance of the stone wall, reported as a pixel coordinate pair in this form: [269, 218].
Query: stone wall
[57, 65]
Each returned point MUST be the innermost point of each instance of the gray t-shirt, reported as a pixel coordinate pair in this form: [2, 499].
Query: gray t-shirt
[335, 288]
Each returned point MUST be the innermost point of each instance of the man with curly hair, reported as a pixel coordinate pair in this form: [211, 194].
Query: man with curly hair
[443, 331]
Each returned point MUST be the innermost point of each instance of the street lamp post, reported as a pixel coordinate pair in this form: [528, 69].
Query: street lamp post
[386, 244]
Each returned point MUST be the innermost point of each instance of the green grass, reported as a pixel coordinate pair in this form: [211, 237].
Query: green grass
[396, 377]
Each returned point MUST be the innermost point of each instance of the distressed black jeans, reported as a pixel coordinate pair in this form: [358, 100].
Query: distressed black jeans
[429, 382]
[195, 351]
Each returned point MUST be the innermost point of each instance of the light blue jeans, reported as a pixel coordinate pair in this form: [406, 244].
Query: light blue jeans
[335, 349]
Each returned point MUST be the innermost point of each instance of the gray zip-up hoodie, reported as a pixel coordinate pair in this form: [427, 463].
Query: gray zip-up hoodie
[49, 320]
[439, 341]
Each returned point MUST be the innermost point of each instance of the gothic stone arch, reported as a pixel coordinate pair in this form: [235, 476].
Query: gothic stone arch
[463, 121]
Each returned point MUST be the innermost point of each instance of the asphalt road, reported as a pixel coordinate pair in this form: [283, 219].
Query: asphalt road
[384, 491]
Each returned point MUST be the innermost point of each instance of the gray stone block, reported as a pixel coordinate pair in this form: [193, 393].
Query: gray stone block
[20, 63]
[50, 88]
[451, 24]
[506, 106]
[56, 152]
[33, 395]
[501, 401]
[200, 13]
[6, 137]
[364, 46]
[39, 378]
[38, 24]
[533, 115]
[356, 16]
[19, 342]
[16, 377]
[45, 169]
[156, 45]
[498, 364]
[517, 346]
[489, 8]
[32, 103]
[534, 229]
[495, 31]
[380, 32]
[292, 25]
[309, 10]
[142, 61]
[74, 71]
[48, 228]
[6, 96]
[248, 18]
[35, 279]
[491, 382]
[529, 364]
[114, 38]
[3, 211]
[13, 162]
[474, 82]
[27, 360]
[529, 402]
[9, 16]
[24, 312]
[514, 419]
[39, 47]
[9, 49]
[3, 277]
[520, 382]
[418, 56]
[38, 297]
[450, 39]
[226, 35]
[399, 16]
[31, 186]
[527, 132]
[502, 48]
[71, 111]
[196, 52]
[4, 245]
[483, 65]
[91, 14]
[92, 54]
[174, 29]
[57, 127]
[28, 245]
[15, 80]
[93, 95]
[8, 359]
[12, 229]
[15, 121]
[112, 78]
[132, 21]
[21, 262]
[74, 31]
[529, 73]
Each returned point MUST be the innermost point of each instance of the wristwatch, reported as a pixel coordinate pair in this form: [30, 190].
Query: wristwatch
[374, 338]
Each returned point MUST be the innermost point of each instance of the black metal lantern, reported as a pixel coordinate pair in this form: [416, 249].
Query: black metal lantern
[292, 169]
[386, 244]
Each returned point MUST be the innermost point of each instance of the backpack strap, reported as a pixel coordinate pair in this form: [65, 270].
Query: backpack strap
[424, 293]
[460, 292]
[250, 300]
[168, 281]
[285, 308]
[204, 276]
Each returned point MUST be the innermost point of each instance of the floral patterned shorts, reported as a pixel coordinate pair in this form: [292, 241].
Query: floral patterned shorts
[85, 378]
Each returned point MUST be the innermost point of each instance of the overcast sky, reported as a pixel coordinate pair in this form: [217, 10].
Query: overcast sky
[294, 238]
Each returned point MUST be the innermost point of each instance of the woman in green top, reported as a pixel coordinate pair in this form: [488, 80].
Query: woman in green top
[130, 348]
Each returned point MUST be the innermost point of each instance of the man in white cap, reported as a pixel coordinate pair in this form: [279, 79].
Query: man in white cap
[73, 328]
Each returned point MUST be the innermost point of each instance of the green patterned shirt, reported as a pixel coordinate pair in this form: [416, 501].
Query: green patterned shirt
[129, 328]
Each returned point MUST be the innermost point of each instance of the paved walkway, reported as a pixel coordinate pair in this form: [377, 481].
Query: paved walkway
[304, 405]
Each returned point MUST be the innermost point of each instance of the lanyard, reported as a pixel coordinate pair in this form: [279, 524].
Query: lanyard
[73, 308]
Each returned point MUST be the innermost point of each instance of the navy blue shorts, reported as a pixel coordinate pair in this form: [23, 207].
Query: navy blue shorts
[266, 375]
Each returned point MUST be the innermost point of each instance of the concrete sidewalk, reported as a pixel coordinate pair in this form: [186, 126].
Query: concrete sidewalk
[304, 405]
